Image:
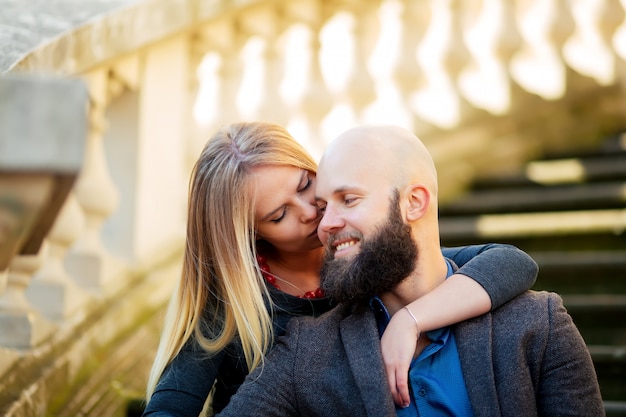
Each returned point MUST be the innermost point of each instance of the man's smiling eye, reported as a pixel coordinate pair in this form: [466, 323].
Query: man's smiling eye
[349, 199]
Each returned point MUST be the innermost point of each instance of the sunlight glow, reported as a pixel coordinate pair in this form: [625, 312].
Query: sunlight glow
[566, 223]
[556, 172]
[486, 85]
[337, 51]
[207, 101]
[619, 40]
[586, 51]
[388, 108]
[234, 87]
[439, 102]
[298, 64]
[252, 89]
[538, 68]
[338, 120]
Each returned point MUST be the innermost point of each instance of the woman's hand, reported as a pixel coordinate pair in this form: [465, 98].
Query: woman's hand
[398, 346]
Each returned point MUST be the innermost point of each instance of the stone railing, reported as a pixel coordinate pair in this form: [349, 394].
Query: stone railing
[487, 84]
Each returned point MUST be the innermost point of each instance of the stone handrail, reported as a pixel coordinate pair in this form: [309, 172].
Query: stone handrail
[487, 84]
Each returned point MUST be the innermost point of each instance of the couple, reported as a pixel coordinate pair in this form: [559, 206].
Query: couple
[377, 190]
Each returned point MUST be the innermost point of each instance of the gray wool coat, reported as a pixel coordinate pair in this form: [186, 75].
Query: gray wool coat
[524, 359]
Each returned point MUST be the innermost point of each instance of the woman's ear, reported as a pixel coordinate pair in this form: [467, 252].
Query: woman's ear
[417, 200]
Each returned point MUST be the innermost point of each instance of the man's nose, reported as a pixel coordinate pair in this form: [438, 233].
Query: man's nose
[330, 221]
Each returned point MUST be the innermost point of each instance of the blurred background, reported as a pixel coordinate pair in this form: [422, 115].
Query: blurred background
[106, 104]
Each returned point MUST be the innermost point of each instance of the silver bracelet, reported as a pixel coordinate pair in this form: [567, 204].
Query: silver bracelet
[415, 319]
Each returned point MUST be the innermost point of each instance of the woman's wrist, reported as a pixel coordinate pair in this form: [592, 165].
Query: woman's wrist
[417, 325]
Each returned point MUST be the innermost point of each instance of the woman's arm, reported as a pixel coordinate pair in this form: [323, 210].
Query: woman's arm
[504, 271]
[489, 275]
[185, 383]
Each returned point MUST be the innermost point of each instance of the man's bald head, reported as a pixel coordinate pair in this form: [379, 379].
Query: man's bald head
[377, 186]
[390, 152]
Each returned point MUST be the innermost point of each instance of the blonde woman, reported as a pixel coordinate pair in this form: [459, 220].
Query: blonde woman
[252, 263]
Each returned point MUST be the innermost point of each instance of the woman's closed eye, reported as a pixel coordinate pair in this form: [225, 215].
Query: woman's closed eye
[281, 216]
[307, 184]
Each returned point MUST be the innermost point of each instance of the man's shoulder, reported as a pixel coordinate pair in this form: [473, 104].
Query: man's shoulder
[530, 314]
[532, 299]
[536, 308]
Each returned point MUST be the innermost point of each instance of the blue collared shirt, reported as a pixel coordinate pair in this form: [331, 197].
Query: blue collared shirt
[436, 381]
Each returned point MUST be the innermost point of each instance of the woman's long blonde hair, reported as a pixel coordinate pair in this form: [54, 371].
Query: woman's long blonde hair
[221, 294]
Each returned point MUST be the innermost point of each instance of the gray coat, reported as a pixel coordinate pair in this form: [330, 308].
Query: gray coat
[524, 359]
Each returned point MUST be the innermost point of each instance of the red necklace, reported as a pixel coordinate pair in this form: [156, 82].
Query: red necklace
[271, 279]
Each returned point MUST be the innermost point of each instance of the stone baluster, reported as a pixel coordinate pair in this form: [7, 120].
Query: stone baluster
[7, 356]
[268, 23]
[217, 74]
[42, 151]
[259, 94]
[407, 72]
[544, 25]
[218, 44]
[619, 39]
[52, 292]
[3, 281]
[389, 106]
[24, 198]
[203, 97]
[443, 55]
[303, 87]
[360, 89]
[590, 51]
[492, 40]
[347, 40]
[88, 262]
[21, 326]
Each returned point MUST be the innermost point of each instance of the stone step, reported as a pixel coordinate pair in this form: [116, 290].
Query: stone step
[610, 365]
[560, 171]
[611, 145]
[615, 408]
[581, 272]
[600, 320]
[569, 213]
[608, 353]
[604, 195]
[561, 230]
[599, 317]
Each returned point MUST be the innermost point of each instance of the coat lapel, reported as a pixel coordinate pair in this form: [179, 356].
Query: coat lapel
[361, 342]
[474, 343]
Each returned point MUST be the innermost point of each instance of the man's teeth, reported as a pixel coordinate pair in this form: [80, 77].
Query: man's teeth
[344, 245]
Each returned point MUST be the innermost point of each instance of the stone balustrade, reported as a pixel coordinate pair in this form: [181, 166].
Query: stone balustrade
[487, 84]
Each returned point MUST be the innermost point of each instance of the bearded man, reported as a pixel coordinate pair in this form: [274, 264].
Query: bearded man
[377, 186]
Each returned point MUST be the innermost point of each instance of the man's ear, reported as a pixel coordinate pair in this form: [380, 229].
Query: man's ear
[417, 200]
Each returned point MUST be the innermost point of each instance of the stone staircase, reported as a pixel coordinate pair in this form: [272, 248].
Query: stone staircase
[568, 212]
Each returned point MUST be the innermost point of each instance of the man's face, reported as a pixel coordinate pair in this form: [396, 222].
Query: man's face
[369, 248]
[380, 264]
[353, 191]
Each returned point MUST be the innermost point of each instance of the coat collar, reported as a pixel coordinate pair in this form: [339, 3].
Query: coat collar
[359, 335]
[474, 343]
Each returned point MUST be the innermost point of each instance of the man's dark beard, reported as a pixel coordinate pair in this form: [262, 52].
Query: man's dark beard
[382, 263]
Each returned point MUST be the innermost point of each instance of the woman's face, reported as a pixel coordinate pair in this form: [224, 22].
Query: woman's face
[286, 213]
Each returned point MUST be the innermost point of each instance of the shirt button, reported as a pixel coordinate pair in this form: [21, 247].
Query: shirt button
[421, 392]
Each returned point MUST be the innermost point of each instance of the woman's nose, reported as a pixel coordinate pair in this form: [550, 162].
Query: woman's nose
[310, 211]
